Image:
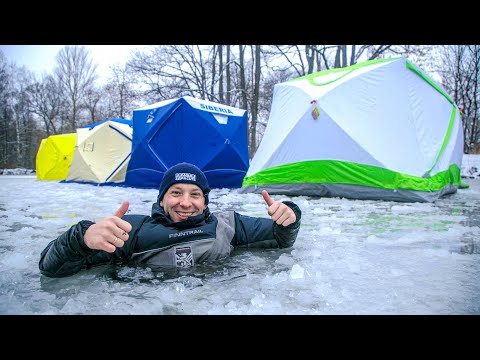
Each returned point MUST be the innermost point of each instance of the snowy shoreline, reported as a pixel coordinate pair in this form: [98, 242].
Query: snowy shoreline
[470, 168]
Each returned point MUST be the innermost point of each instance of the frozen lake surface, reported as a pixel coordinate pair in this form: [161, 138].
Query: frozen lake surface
[351, 257]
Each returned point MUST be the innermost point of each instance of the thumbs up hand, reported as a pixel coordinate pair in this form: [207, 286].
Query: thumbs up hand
[110, 233]
[278, 211]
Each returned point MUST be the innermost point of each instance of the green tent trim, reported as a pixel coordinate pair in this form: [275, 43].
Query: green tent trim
[424, 77]
[342, 172]
[411, 67]
[313, 78]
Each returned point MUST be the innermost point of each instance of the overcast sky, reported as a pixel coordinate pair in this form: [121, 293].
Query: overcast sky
[41, 58]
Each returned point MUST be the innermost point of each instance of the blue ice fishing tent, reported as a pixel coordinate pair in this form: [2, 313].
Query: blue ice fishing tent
[209, 135]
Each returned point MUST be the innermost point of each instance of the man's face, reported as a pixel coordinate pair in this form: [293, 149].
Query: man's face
[182, 201]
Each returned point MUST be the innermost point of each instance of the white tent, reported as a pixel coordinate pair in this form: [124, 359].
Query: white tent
[102, 152]
[381, 129]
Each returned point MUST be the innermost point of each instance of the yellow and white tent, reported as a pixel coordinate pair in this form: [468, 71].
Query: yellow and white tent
[54, 156]
[102, 152]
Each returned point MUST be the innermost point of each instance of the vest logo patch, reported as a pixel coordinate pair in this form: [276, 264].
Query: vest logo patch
[183, 256]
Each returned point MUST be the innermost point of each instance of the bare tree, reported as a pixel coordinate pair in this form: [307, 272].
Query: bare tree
[171, 71]
[75, 72]
[224, 74]
[460, 72]
[227, 75]
[19, 131]
[90, 102]
[340, 55]
[46, 101]
[218, 50]
[242, 73]
[252, 143]
[307, 59]
[300, 59]
[5, 113]
[23, 120]
[120, 95]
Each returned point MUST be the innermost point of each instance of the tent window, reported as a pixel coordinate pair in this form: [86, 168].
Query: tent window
[88, 146]
[222, 119]
[150, 117]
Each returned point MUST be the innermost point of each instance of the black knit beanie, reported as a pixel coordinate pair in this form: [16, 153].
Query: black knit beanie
[184, 173]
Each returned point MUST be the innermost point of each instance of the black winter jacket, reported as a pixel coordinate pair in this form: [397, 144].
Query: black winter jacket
[158, 243]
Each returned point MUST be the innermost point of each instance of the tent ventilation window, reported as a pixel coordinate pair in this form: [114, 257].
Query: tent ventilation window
[222, 119]
[88, 147]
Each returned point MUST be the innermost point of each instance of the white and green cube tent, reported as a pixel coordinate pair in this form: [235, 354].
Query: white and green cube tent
[381, 130]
